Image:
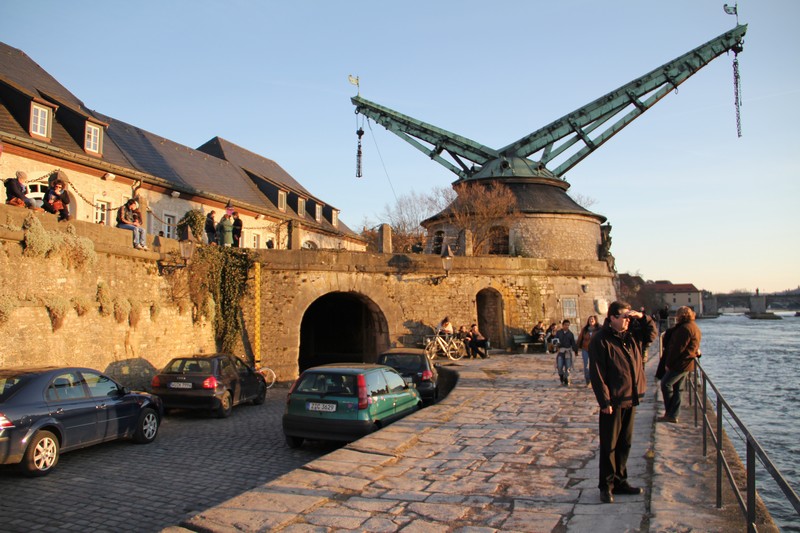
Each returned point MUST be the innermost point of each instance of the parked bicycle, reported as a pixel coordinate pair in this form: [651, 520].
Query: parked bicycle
[269, 375]
[448, 346]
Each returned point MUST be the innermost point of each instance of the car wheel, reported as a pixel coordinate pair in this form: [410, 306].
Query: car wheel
[225, 406]
[41, 455]
[147, 428]
[294, 442]
[262, 395]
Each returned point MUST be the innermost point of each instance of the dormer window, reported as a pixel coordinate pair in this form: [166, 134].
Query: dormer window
[40, 120]
[282, 200]
[301, 207]
[94, 139]
[318, 214]
[335, 218]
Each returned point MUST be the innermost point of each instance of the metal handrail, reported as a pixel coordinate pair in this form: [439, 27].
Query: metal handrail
[747, 504]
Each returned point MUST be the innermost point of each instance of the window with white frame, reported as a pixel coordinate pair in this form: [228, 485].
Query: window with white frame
[282, 200]
[301, 207]
[40, 120]
[335, 218]
[93, 141]
[318, 213]
[101, 209]
[256, 240]
[569, 307]
[169, 228]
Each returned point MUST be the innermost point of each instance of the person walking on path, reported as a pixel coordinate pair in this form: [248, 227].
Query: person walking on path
[566, 348]
[584, 337]
[618, 381]
[680, 353]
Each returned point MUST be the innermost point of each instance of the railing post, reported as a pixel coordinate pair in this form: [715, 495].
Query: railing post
[751, 487]
[705, 415]
[719, 452]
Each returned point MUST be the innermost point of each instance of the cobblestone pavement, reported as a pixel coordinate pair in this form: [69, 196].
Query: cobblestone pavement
[195, 463]
[509, 449]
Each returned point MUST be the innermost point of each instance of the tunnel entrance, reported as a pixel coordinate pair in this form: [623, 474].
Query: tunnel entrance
[342, 327]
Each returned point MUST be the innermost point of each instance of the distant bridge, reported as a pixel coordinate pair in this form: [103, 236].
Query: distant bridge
[775, 302]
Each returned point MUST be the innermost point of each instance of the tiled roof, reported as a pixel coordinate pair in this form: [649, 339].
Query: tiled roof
[672, 287]
[219, 168]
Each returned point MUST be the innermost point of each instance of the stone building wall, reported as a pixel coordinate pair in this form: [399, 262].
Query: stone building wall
[554, 235]
[404, 295]
[128, 352]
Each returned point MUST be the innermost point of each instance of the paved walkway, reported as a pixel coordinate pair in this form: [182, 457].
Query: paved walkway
[510, 449]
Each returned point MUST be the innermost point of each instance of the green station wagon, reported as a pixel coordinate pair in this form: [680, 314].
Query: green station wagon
[345, 401]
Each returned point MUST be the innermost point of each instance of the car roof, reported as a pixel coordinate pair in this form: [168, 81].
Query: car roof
[346, 368]
[23, 370]
[410, 351]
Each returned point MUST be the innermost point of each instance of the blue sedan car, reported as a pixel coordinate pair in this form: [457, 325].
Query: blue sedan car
[47, 411]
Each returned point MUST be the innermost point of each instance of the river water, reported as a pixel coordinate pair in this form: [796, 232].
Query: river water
[755, 364]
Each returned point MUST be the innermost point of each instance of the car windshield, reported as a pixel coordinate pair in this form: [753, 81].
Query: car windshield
[402, 362]
[9, 385]
[188, 366]
[328, 383]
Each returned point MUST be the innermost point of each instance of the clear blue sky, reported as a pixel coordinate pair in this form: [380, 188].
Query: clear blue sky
[688, 200]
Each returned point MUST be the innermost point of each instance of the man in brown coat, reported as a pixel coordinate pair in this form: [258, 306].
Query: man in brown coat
[682, 348]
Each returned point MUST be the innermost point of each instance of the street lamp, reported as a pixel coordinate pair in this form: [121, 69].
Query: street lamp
[447, 264]
[186, 250]
[447, 260]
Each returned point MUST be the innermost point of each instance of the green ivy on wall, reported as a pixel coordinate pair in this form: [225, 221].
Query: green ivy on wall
[220, 273]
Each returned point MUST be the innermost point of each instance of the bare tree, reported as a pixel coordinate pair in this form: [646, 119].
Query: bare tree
[582, 200]
[405, 217]
[484, 209]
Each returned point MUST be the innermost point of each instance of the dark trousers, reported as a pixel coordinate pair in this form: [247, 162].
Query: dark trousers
[616, 434]
[475, 346]
[671, 385]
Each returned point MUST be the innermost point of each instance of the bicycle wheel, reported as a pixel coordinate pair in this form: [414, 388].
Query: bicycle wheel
[456, 349]
[431, 349]
[269, 375]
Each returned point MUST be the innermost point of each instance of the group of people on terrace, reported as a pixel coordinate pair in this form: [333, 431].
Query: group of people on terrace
[227, 232]
[476, 343]
[55, 201]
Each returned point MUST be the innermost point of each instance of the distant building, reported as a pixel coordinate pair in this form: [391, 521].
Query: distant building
[677, 295]
[46, 131]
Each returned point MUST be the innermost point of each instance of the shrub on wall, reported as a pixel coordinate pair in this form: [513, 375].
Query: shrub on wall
[57, 307]
[37, 242]
[7, 306]
[122, 309]
[106, 306]
[136, 312]
[81, 304]
[193, 220]
[76, 252]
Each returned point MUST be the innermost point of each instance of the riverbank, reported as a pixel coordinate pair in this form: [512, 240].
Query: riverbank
[510, 449]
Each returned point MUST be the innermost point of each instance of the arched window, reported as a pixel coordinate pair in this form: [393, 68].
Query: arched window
[498, 240]
[309, 245]
[438, 241]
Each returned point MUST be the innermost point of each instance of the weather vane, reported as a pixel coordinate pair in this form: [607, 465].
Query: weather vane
[354, 81]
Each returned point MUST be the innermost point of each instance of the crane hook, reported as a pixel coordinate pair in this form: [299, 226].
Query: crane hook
[360, 134]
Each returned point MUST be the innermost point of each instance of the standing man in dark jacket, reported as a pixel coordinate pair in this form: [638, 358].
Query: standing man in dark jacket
[618, 381]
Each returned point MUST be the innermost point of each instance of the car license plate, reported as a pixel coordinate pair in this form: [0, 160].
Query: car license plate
[322, 407]
[180, 385]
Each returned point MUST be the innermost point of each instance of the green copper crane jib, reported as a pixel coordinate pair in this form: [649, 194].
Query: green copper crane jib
[472, 160]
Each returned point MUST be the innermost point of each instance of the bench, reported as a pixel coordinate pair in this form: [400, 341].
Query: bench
[527, 341]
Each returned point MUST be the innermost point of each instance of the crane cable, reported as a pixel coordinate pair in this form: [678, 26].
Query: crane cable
[737, 92]
[360, 133]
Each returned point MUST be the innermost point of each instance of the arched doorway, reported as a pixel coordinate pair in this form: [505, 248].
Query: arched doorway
[489, 303]
[342, 327]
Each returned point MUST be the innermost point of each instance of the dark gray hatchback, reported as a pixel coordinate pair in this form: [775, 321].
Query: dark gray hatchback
[214, 382]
